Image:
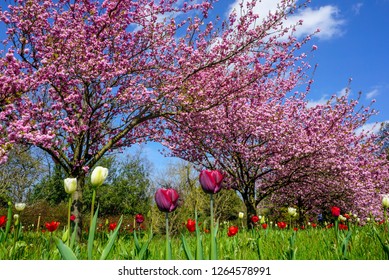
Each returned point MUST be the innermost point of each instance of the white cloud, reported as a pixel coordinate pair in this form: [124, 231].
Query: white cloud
[324, 99]
[324, 18]
[370, 128]
[357, 8]
[371, 94]
[312, 103]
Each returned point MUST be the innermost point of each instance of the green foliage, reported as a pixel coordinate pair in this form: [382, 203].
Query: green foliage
[51, 188]
[126, 191]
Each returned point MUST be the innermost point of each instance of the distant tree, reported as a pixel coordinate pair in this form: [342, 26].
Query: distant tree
[127, 188]
[19, 174]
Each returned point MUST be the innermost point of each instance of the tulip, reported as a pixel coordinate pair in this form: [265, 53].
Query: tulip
[281, 225]
[70, 185]
[342, 218]
[98, 176]
[385, 201]
[232, 230]
[20, 206]
[211, 181]
[254, 219]
[166, 199]
[52, 226]
[191, 225]
[3, 221]
[292, 211]
[112, 226]
[241, 215]
[335, 211]
[139, 218]
[264, 226]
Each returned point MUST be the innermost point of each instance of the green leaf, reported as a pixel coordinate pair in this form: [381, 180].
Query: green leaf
[73, 238]
[66, 252]
[199, 244]
[188, 253]
[111, 241]
[136, 242]
[9, 220]
[91, 235]
[145, 247]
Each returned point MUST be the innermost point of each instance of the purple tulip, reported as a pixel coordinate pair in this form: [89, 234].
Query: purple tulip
[166, 199]
[211, 181]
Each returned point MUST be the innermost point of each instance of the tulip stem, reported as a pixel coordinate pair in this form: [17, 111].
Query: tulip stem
[93, 206]
[213, 237]
[69, 208]
[168, 248]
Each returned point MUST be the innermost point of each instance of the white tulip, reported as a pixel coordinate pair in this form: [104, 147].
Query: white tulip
[385, 201]
[20, 206]
[99, 175]
[70, 185]
[292, 211]
[240, 215]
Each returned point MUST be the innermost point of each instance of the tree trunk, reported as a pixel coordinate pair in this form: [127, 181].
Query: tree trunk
[249, 202]
[77, 204]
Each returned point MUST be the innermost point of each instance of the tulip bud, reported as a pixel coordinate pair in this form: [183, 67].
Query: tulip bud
[70, 185]
[16, 218]
[20, 206]
[211, 181]
[98, 176]
[385, 201]
[166, 199]
[241, 215]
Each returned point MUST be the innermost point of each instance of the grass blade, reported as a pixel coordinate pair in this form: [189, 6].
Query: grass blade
[111, 241]
[145, 247]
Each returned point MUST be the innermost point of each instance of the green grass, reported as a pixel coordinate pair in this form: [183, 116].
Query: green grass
[270, 244]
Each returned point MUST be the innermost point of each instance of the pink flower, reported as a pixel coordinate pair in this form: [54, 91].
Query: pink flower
[211, 181]
[166, 199]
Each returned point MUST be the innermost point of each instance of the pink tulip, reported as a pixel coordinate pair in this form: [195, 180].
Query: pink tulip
[166, 199]
[211, 180]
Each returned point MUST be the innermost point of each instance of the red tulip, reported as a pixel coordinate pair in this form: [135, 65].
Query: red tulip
[139, 218]
[52, 226]
[254, 219]
[335, 211]
[264, 226]
[112, 226]
[232, 230]
[347, 216]
[343, 227]
[281, 225]
[72, 218]
[191, 225]
[313, 225]
[166, 199]
[211, 181]
[3, 221]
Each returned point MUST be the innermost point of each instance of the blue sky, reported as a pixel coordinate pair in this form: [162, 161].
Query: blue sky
[353, 43]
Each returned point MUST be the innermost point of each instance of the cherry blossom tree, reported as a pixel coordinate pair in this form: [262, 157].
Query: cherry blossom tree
[83, 78]
[282, 150]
